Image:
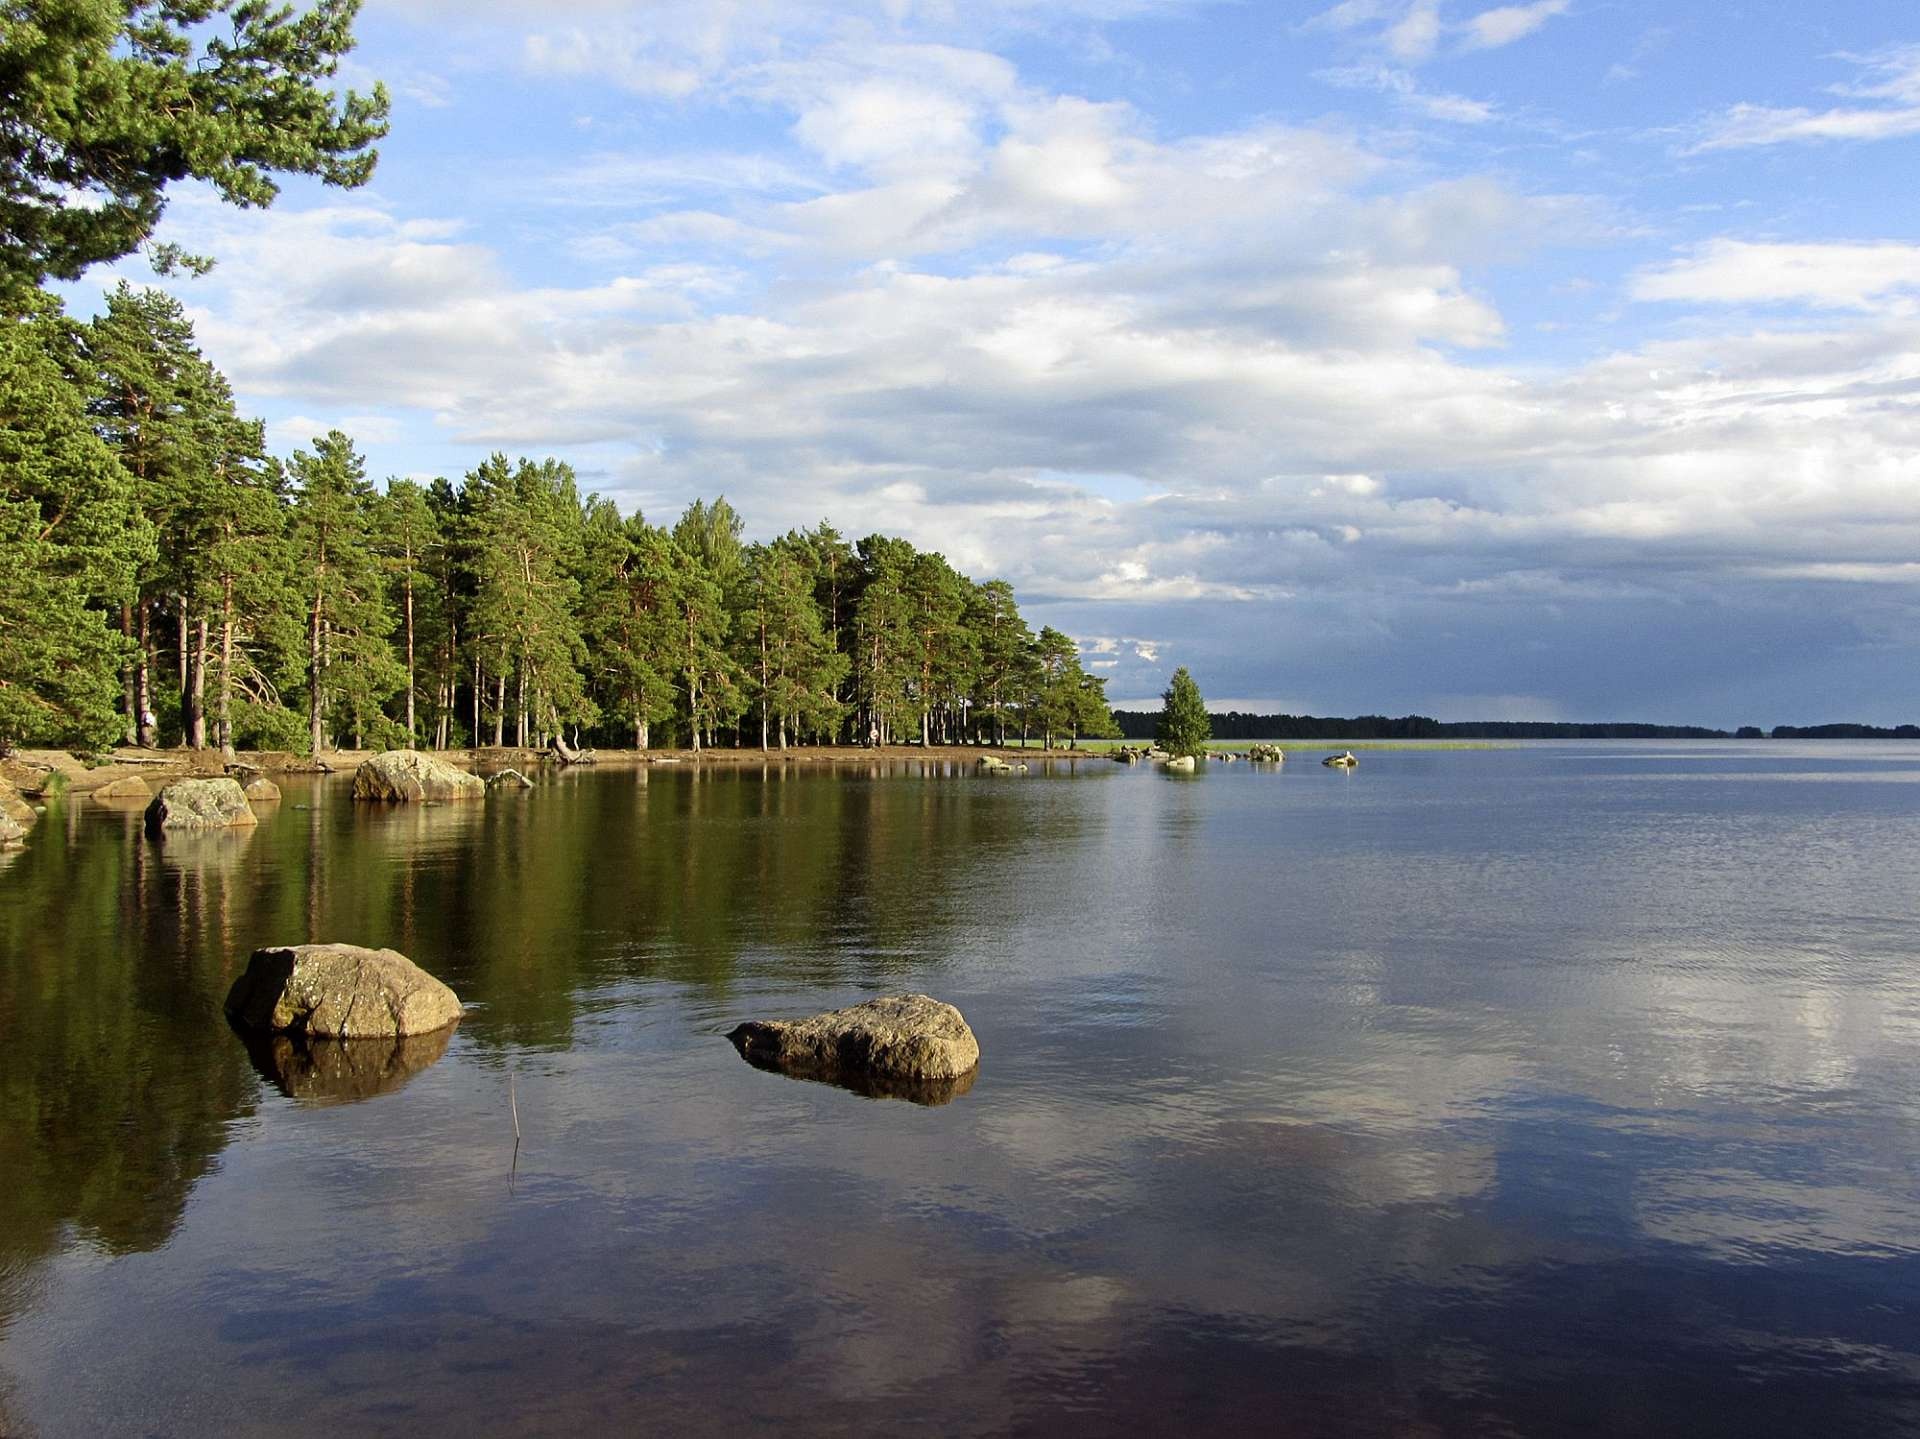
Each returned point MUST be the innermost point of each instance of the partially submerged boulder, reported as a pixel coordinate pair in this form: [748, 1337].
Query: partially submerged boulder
[339, 991]
[407, 775]
[261, 790]
[12, 832]
[194, 804]
[128, 789]
[1267, 754]
[902, 1039]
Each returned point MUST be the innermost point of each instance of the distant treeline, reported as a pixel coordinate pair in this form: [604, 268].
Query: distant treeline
[1233, 725]
[1845, 731]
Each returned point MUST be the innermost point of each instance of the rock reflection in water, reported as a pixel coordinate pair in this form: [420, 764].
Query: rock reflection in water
[342, 1071]
[873, 1086]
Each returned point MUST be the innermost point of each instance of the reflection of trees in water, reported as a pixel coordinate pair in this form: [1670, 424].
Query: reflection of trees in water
[115, 1088]
[703, 875]
[119, 1076]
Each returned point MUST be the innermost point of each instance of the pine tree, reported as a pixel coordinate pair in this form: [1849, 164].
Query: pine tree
[1001, 637]
[627, 619]
[1058, 659]
[350, 665]
[525, 543]
[151, 401]
[71, 541]
[107, 102]
[1183, 727]
[408, 534]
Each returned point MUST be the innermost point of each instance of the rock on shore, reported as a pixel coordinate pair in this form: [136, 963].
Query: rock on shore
[130, 789]
[900, 1037]
[407, 775]
[199, 804]
[339, 991]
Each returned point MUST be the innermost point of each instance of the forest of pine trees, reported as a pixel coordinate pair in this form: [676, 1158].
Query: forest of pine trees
[165, 581]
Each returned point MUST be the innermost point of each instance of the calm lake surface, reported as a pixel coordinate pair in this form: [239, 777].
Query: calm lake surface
[1565, 1089]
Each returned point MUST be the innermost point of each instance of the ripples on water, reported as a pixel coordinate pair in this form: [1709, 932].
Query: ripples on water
[1564, 1089]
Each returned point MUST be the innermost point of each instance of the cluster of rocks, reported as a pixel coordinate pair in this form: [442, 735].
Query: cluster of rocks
[992, 764]
[1266, 754]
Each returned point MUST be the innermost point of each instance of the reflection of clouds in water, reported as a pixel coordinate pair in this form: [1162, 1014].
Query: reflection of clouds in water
[1749, 1216]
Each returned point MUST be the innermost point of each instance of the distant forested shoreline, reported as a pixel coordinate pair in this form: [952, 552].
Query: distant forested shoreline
[1234, 725]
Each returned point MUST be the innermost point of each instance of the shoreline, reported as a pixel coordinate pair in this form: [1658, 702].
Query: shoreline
[30, 769]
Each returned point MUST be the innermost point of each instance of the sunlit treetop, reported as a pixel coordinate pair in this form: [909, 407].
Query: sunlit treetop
[104, 103]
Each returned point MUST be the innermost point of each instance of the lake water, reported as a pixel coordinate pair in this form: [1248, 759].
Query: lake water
[1564, 1089]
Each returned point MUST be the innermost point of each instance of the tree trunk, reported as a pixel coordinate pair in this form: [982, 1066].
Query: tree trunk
[130, 734]
[226, 668]
[410, 734]
[199, 736]
[316, 707]
[499, 711]
[143, 675]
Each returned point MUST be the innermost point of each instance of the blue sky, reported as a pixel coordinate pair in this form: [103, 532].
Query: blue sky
[1549, 360]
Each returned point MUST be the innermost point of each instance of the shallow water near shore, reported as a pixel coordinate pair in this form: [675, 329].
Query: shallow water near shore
[1557, 1089]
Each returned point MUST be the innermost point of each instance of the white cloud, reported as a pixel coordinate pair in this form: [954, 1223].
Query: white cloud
[1894, 76]
[1825, 276]
[1413, 38]
[1389, 80]
[1491, 29]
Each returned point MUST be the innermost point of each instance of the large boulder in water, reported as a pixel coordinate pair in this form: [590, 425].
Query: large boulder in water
[339, 991]
[261, 790]
[199, 804]
[901, 1037]
[403, 775]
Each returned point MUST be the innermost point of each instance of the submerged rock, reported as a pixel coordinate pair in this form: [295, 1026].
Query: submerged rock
[1341, 761]
[12, 832]
[199, 804]
[1181, 764]
[341, 991]
[262, 790]
[902, 1042]
[403, 775]
[340, 1071]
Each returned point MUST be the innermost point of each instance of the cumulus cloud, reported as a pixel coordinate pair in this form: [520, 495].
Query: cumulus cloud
[1238, 396]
